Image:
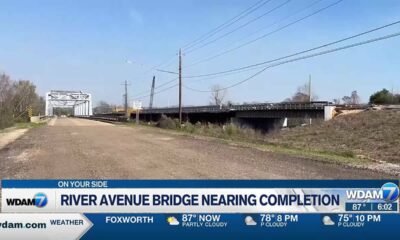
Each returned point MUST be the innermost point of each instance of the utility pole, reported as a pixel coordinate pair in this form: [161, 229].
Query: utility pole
[309, 93]
[126, 99]
[180, 87]
[309, 88]
[152, 92]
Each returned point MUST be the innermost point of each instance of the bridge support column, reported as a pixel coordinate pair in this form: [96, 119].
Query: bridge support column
[90, 113]
[329, 112]
[49, 108]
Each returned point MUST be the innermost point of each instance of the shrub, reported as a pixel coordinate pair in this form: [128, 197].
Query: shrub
[189, 127]
[231, 129]
[166, 122]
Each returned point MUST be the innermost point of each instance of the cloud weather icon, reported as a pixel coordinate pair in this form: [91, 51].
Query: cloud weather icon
[327, 221]
[250, 221]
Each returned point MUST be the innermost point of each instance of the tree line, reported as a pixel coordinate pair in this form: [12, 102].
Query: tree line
[303, 92]
[16, 98]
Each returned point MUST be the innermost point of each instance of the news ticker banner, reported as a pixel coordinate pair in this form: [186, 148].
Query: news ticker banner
[169, 196]
[198, 209]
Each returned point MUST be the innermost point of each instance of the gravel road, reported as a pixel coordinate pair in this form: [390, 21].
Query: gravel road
[78, 148]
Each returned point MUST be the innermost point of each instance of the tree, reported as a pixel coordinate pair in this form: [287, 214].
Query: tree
[336, 101]
[103, 107]
[16, 97]
[353, 99]
[397, 98]
[302, 95]
[6, 95]
[38, 106]
[218, 95]
[24, 97]
[383, 97]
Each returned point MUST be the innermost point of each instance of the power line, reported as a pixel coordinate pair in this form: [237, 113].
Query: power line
[226, 24]
[161, 85]
[297, 53]
[160, 91]
[267, 34]
[160, 64]
[322, 9]
[302, 58]
[247, 36]
[239, 27]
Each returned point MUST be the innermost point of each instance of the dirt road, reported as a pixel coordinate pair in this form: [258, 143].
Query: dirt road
[77, 148]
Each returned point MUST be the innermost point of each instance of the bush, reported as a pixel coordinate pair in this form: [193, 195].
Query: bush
[166, 123]
[188, 127]
[231, 129]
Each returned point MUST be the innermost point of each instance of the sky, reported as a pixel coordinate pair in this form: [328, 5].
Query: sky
[95, 45]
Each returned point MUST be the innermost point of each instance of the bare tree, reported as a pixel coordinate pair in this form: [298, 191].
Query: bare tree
[302, 95]
[355, 98]
[16, 97]
[24, 97]
[336, 101]
[6, 95]
[352, 99]
[103, 107]
[218, 95]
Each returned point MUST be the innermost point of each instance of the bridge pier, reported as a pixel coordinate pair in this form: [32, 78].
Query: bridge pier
[263, 124]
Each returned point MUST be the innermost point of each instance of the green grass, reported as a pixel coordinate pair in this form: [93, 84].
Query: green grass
[23, 125]
[28, 125]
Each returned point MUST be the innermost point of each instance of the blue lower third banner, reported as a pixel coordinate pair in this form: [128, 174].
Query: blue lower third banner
[199, 209]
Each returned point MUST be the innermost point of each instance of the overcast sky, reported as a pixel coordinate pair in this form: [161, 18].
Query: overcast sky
[95, 45]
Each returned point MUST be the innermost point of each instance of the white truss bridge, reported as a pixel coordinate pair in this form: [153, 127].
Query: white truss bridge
[80, 102]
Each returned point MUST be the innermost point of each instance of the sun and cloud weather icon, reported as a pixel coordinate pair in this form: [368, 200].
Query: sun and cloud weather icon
[172, 221]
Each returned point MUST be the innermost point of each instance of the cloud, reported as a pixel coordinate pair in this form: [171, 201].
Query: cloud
[135, 16]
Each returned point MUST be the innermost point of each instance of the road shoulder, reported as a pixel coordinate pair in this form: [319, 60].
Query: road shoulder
[9, 135]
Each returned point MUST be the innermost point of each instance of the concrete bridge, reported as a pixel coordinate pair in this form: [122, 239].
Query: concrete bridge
[263, 116]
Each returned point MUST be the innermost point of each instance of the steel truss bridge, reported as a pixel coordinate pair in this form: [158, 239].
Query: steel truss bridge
[80, 102]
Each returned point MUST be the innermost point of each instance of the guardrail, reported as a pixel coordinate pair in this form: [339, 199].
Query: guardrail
[243, 107]
[110, 117]
[120, 117]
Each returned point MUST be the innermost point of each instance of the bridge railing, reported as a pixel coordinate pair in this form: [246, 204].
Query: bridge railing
[242, 107]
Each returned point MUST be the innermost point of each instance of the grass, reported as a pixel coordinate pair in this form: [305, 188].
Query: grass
[256, 143]
[29, 125]
[352, 139]
[373, 135]
[232, 134]
[23, 125]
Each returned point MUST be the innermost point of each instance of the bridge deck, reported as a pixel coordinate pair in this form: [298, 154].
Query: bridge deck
[237, 108]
